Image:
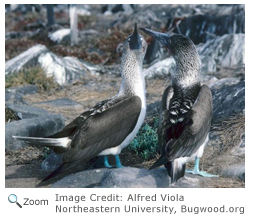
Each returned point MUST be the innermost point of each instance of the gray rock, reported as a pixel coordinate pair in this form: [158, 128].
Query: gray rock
[25, 59]
[208, 80]
[88, 178]
[63, 103]
[227, 50]
[64, 69]
[63, 35]
[228, 101]
[237, 71]
[27, 89]
[234, 171]
[134, 178]
[144, 18]
[52, 162]
[190, 181]
[60, 35]
[42, 126]
[127, 177]
[15, 94]
[224, 82]
[13, 97]
[215, 22]
[26, 111]
[208, 64]
[160, 69]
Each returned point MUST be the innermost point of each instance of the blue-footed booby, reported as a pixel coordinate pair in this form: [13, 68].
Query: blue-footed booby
[186, 109]
[110, 125]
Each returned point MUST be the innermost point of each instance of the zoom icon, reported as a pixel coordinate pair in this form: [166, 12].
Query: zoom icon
[13, 199]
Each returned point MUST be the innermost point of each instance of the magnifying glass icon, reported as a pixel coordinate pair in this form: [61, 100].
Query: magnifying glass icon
[13, 199]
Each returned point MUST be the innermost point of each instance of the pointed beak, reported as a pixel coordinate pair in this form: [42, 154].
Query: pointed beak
[163, 38]
[135, 39]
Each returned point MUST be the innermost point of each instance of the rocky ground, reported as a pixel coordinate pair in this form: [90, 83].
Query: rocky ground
[42, 106]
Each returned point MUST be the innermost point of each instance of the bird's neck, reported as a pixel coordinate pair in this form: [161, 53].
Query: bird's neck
[133, 82]
[187, 71]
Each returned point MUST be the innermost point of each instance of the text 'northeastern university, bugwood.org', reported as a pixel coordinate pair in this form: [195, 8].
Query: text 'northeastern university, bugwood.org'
[80, 204]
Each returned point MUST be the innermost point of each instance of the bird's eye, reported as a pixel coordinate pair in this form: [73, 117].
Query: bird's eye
[129, 39]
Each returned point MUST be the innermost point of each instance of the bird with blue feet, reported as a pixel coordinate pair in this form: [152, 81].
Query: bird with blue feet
[186, 110]
[110, 125]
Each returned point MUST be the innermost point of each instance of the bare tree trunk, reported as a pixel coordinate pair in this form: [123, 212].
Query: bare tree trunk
[50, 14]
[73, 24]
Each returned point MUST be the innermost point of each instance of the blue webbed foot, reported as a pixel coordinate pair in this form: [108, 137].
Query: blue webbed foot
[106, 163]
[118, 163]
[198, 172]
[201, 173]
[205, 174]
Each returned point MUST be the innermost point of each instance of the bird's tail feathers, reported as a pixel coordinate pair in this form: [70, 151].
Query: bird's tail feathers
[176, 170]
[161, 161]
[60, 143]
[62, 171]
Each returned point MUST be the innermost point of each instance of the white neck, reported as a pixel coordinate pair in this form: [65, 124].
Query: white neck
[186, 79]
[187, 72]
[133, 82]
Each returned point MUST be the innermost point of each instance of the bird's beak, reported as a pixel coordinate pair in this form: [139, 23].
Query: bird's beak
[135, 39]
[163, 38]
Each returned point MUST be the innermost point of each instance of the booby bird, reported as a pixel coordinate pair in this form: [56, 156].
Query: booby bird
[186, 110]
[111, 124]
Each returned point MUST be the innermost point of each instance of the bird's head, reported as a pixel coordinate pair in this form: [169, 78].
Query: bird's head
[181, 47]
[176, 44]
[135, 44]
[184, 52]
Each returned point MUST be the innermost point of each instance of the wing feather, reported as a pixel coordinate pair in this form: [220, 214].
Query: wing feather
[98, 132]
[70, 128]
[195, 131]
[105, 130]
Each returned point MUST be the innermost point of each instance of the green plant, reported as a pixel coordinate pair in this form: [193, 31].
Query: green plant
[46, 151]
[145, 142]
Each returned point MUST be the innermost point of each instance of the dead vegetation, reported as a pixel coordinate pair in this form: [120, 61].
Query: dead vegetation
[10, 115]
[223, 150]
[230, 132]
[33, 75]
[27, 155]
